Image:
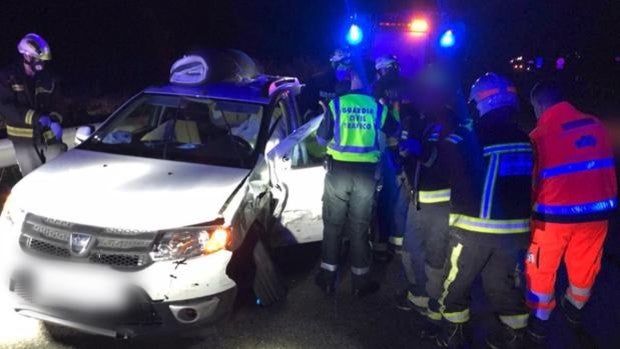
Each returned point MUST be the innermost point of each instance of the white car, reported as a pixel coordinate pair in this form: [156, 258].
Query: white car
[153, 221]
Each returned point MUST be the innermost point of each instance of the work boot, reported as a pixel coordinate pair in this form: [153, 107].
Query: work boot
[571, 313]
[506, 337]
[573, 317]
[407, 301]
[536, 331]
[368, 288]
[326, 281]
[430, 330]
[452, 336]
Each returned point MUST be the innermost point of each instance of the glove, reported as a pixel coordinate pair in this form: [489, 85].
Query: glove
[57, 130]
[411, 146]
[45, 121]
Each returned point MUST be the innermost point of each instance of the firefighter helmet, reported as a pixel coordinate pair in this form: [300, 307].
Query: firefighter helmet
[341, 56]
[34, 46]
[492, 91]
[386, 62]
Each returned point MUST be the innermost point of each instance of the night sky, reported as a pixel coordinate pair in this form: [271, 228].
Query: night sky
[116, 44]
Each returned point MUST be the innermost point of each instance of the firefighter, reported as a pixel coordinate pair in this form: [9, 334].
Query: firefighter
[426, 235]
[575, 192]
[489, 172]
[391, 214]
[29, 107]
[350, 129]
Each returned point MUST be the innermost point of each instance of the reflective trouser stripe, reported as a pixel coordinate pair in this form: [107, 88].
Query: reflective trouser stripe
[577, 296]
[514, 321]
[433, 315]
[396, 240]
[19, 132]
[329, 267]
[457, 317]
[435, 196]
[541, 303]
[29, 116]
[360, 271]
[418, 301]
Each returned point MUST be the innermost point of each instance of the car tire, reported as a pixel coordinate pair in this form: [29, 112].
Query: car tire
[252, 268]
[268, 286]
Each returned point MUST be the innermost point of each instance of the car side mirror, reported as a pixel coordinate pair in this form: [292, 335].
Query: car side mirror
[82, 134]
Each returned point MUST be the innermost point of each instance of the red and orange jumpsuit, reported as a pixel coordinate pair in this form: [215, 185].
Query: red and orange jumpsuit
[574, 192]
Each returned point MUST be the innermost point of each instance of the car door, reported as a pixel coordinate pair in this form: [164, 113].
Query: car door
[297, 178]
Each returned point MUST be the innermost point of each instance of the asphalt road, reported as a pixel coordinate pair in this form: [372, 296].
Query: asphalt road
[309, 319]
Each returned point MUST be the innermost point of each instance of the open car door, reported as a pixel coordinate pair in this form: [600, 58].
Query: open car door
[297, 180]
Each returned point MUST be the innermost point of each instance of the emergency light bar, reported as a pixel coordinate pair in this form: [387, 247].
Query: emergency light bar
[189, 70]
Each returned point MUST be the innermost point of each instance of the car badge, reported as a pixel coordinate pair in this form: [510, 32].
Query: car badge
[80, 244]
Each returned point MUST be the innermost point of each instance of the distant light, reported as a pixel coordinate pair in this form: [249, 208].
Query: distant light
[355, 35]
[539, 62]
[447, 39]
[560, 63]
[419, 26]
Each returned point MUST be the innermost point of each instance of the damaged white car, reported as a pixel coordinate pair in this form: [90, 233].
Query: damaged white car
[153, 221]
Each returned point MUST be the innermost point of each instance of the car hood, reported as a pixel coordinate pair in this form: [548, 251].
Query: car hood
[127, 192]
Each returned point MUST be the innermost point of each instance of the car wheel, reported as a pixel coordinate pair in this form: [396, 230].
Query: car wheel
[252, 268]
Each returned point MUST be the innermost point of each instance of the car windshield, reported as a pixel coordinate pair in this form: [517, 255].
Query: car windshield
[177, 128]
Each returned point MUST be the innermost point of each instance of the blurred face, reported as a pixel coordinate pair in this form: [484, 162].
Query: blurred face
[33, 65]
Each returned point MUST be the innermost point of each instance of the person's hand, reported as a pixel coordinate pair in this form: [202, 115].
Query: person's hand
[45, 120]
[410, 146]
[57, 130]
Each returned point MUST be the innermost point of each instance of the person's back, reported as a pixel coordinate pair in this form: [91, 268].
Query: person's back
[575, 176]
[574, 194]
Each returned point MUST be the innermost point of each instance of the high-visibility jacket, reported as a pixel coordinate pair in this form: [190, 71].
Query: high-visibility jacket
[355, 121]
[23, 100]
[575, 176]
[489, 169]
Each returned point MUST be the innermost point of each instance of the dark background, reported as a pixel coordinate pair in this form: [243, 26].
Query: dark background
[117, 47]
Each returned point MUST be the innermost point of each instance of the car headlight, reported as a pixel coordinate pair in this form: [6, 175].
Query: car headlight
[190, 242]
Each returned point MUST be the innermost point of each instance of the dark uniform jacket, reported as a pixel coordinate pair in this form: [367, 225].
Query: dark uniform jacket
[489, 170]
[23, 100]
[424, 173]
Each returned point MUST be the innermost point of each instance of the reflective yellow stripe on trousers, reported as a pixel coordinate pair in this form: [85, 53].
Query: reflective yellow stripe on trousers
[19, 132]
[459, 316]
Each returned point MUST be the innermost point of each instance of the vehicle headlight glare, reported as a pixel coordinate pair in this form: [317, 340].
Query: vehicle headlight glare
[190, 242]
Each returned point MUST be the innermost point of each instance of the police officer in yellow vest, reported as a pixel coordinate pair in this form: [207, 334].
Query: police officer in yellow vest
[28, 106]
[350, 129]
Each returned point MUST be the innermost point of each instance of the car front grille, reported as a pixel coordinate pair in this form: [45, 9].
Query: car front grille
[48, 238]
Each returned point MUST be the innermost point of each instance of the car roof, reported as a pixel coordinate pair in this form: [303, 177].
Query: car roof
[259, 90]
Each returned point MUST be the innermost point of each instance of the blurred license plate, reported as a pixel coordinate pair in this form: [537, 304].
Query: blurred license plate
[85, 290]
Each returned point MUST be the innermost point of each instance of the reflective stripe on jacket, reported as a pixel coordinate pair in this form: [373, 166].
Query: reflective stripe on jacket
[575, 177]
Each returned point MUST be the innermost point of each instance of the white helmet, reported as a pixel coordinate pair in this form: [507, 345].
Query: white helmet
[34, 46]
[385, 62]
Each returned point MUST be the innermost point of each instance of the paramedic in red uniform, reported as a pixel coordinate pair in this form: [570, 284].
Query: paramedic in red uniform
[574, 194]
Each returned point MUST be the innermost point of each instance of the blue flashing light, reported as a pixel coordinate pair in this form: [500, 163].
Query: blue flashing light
[355, 35]
[447, 39]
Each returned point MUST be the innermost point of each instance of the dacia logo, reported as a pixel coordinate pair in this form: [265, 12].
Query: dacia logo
[80, 244]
